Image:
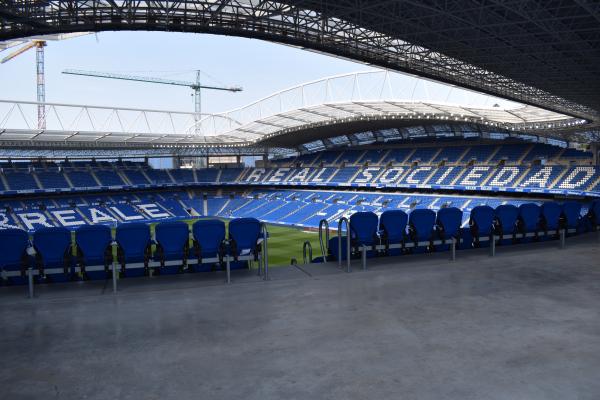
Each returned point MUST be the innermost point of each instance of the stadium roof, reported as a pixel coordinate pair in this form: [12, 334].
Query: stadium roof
[287, 118]
[538, 52]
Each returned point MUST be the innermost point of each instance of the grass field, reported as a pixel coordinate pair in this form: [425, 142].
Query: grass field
[285, 243]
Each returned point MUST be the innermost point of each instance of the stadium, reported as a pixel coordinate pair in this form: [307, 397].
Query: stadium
[426, 226]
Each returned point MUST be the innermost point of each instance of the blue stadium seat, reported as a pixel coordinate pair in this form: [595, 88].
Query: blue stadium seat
[392, 224]
[571, 212]
[481, 224]
[505, 221]
[134, 248]
[53, 253]
[14, 259]
[363, 226]
[448, 223]
[244, 234]
[421, 222]
[172, 246]
[94, 251]
[529, 219]
[209, 243]
[594, 214]
[550, 220]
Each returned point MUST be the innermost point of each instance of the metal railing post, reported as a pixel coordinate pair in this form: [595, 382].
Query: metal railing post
[30, 282]
[493, 245]
[340, 223]
[307, 247]
[324, 245]
[114, 266]
[453, 247]
[265, 251]
[364, 257]
[228, 268]
[563, 238]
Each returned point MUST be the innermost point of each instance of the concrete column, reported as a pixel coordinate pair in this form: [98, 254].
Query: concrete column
[595, 149]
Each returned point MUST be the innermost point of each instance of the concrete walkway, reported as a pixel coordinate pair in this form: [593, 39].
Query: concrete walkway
[522, 325]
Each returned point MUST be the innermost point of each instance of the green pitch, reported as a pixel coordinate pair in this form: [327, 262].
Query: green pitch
[285, 243]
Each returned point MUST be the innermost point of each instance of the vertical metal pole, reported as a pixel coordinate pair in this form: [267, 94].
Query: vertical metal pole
[30, 282]
[453, 246]
[348, 245]
[562, 238]
[339, 235]
[228, 267]
[114, 267]
[493, 245]
[323, 224]
[266, 252]
[364, 257]
[340, 223]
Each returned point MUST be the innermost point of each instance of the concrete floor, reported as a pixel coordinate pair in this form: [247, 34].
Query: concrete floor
[522, 325]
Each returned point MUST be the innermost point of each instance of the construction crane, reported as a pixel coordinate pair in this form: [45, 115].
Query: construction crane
[195, 86]
[40, 79]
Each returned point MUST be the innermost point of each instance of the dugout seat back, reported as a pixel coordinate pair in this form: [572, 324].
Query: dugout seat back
[364, 226]
[134, 248]
[551, 213]
[594, 214]
[481, 223]
[448, 221]
[420, 224]
[209, 237]
[172, 238]
[505, 220]
[13, 250]
[172, 244]
[94, 250]
[53, 252]
[529, 217]
[243, 236]
[393, 225]
[571, 212]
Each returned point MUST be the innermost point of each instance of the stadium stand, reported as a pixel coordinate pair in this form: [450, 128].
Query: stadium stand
[510, 167]
[426, 210]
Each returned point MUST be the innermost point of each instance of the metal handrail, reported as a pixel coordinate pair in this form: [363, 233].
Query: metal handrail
[339, 232]
[265, 234]
[324, 246]
[307, 247]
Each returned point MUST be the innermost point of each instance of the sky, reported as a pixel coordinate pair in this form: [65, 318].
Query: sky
[261, 68]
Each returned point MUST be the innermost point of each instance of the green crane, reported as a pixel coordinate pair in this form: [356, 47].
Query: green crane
[195, 86]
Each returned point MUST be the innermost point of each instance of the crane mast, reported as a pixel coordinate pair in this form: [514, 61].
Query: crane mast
[40, 78]
[41, 83]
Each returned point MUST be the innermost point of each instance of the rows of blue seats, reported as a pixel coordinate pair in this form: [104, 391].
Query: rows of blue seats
[306, 208]
[555, 179]
[295, 207]
[541, 178]
[395, 231]
[52, 255]
[464, 153]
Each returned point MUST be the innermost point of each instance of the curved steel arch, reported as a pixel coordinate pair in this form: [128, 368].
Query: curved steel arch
[283, 21]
